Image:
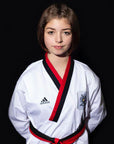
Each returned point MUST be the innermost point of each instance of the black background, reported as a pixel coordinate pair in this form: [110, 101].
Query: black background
[20, 48]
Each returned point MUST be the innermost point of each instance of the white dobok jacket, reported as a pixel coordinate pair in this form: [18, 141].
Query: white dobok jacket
[40, 88]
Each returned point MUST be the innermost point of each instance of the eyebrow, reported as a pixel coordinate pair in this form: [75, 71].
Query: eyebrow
[54, 28]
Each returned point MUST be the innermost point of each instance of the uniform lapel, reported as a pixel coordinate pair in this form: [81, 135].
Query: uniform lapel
[52, 72]
[62, 85]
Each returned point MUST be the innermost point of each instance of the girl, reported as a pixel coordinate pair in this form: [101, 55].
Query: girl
[57, 100]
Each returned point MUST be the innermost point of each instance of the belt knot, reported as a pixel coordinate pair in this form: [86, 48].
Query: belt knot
[57, 141]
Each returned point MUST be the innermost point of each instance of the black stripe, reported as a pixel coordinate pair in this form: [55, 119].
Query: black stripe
[81, 126]
[64, 92]
[51, 139]
[39, 134]
[51, 74]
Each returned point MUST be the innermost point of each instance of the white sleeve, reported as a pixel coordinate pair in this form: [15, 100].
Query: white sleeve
[97, 110]
[17, 111]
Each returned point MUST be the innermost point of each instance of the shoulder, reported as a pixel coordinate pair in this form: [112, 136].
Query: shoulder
[82, 67]
[84, 70]
[33, 67]
[33, 70]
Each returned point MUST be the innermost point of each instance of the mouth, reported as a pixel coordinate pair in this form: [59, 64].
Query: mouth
[58, 47]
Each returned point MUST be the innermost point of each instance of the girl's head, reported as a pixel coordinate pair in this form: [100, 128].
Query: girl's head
[59, 11]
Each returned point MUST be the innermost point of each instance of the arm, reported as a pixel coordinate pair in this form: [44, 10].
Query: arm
[97, 110]
[17, 111]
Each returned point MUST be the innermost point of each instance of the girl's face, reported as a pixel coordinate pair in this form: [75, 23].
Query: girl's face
[58, 36]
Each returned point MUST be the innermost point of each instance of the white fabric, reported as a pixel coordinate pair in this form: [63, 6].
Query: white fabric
[35, 84]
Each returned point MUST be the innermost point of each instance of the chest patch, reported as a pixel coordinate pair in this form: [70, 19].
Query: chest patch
[82, 99]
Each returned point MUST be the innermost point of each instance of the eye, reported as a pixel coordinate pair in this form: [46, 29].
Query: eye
[50, 32]
[67, 33]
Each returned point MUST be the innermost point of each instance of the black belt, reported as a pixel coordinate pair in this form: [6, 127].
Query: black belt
[66, 140]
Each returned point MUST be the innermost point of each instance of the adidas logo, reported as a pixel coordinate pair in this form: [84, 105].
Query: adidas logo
[44, 101]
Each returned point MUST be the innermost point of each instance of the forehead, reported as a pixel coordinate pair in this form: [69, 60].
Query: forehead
[60, 23]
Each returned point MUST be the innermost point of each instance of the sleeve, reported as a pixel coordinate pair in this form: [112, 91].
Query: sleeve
[17, 110]
[97, 109]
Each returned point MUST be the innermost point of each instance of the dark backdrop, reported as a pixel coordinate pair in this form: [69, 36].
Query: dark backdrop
[20, 48]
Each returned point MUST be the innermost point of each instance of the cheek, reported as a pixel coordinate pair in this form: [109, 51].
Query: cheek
[68, 41]
[47, 40]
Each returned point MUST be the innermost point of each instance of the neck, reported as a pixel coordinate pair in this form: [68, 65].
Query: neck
[57, 60]
[59, 63]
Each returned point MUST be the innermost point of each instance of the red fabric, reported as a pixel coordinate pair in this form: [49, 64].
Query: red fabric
[70, 140]
[56, 140]
[61, 90]
[74, 138]
[53, 69]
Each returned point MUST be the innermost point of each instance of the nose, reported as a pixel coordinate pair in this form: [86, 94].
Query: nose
[58, 38]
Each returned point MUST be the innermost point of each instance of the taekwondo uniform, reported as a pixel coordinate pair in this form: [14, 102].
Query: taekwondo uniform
[47, 109]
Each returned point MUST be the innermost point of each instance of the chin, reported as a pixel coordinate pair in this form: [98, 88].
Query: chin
[63, 54]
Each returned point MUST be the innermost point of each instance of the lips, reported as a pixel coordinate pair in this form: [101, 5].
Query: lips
[58, 47]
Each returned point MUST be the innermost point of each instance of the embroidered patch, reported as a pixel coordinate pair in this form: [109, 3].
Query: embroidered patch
[82, 99]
